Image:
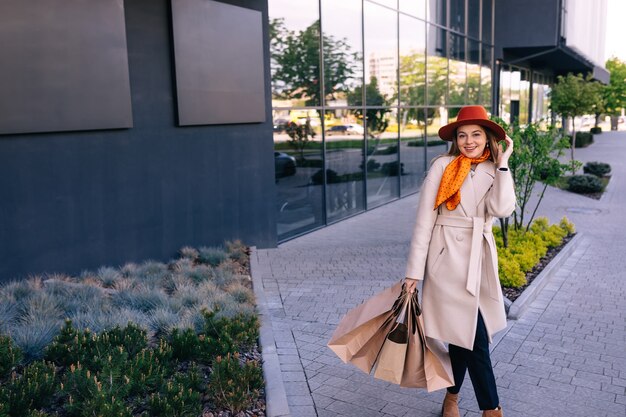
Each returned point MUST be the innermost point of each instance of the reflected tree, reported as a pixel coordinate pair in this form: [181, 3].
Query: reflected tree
[295, 62]
[377, 121]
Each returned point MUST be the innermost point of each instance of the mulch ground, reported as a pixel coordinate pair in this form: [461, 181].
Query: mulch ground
[513, 293]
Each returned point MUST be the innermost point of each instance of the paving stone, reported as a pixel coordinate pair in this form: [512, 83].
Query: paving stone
[564, 357]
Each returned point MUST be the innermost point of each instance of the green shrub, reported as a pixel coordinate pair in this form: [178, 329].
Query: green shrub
[220, 336]
[392, 169]
[583, 139]
[73, 346]
[146, 372]
[175, 401]
[595, 130]
[212, 255]
[10, 356]
[184, 344]
[599, 169]
[33, 389]
[91, 394]
[234, 385]
[584, 184]
[526, 249]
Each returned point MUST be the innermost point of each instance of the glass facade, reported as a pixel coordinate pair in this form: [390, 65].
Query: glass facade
[523, 95]
[359, 90]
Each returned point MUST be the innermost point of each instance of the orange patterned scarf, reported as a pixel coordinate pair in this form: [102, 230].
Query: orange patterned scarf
[453, 177]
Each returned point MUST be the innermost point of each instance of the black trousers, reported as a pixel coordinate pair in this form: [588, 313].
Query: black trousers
[478, 363]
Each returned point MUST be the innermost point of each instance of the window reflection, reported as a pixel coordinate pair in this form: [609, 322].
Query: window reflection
[485, 75]
[381, 161]
[436, 12]
[435, 119]
[343, 57]
[457, 88]
[487, 21]
[473, 72]
[412, 61]
[344, 135]
[437, 66]
[416, 8]
[412, 149]
[473, 18]
[457, 15]
[297, 158]
[381, 55]
[294, 51]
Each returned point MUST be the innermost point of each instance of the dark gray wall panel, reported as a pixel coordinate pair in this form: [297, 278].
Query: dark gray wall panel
[78, 200]
[64, 66]
[219, 63]
[526, 23]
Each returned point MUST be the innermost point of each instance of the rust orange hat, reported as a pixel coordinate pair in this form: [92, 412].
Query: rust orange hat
[471, 115]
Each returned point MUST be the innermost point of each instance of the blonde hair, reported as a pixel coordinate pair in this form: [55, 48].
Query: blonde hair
[492, 144]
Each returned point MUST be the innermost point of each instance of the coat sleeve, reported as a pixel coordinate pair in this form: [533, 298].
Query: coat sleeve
[424, 223]
[500, 199]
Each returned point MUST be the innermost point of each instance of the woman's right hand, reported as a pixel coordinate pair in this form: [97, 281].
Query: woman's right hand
[411, 284]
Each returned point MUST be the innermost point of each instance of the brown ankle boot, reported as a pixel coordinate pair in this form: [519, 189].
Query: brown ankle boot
[450, 406]
[493, 413]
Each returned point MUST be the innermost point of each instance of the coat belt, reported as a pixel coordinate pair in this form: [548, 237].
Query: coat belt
[479, 229]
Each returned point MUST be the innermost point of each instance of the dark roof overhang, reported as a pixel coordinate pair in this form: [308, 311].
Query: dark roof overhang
[558, 60]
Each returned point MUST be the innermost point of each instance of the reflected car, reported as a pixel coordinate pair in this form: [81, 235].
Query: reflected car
[349, 129]
[284, 165]
[355, 129]
[280, 125]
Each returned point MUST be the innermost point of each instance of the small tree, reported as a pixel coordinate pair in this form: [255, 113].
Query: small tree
[535, 158]
[614, 94]
[570, 97]
[300, 135]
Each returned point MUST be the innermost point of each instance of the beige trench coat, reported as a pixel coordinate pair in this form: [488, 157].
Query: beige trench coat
[455, 253]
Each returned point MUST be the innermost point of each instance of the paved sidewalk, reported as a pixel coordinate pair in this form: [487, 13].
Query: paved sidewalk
[565, 356]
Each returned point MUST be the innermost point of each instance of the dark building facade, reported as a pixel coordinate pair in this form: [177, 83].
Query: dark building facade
[79, 199]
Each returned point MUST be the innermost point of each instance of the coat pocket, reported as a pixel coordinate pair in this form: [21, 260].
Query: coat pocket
[437, 263]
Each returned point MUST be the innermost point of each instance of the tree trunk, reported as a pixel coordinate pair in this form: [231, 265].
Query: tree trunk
[573, 145]
[614, 122]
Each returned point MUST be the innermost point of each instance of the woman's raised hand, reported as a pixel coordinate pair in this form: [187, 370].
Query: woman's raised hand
[503, 156]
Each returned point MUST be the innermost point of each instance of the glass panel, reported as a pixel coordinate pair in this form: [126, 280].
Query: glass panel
[436, 12]
[343, 55]
[485, 86]
[412, 61]
[485, 78]
[515, 95]
[487, 21]
[382, 157]
[505, 94]
[458, 77]
[437, 66]
[294, 51]
[457, 15]
[298, 161]
[435, 118]
[473, 72]
[473, 18]
[344, 163]
[412, 149]
[389, 3]
[524, 97]
[415, 8]
[381, 55]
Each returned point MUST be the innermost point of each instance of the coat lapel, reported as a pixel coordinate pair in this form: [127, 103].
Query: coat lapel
[483, 179]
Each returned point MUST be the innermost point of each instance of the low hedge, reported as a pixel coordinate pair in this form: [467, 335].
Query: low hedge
[584, 184]
[583, 139]
[526, 248]
[595, 130]
[599, 169]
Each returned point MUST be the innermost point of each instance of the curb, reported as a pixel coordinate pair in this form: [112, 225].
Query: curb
[530, 294]
[275, 395]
